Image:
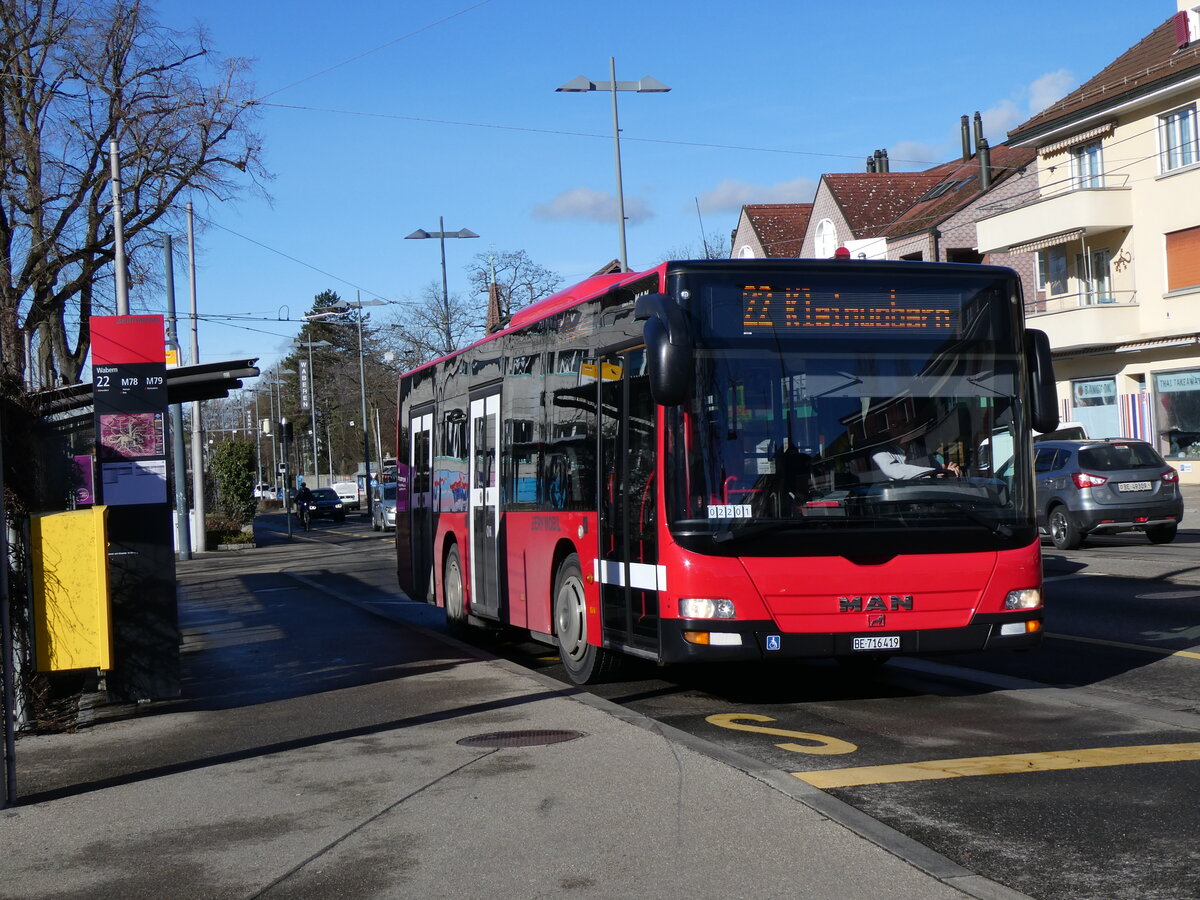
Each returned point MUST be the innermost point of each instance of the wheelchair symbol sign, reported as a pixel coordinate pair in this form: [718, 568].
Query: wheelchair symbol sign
[773, 642]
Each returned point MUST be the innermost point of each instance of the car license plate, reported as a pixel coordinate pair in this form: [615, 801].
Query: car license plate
[882, 642]
[1133, 486]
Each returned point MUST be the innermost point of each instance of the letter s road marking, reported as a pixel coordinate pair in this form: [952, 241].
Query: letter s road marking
[825, 746]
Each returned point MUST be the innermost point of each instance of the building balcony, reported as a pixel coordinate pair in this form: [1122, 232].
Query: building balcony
[1014, 227]
[1086, 319]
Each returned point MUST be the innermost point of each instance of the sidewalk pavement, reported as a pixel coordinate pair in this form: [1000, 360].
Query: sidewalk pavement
[481, 779]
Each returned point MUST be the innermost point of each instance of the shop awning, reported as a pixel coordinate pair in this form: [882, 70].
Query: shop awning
[1100, 131]
[1063, 237]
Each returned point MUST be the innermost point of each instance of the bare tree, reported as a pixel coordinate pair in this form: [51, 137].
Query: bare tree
[75, 75]
[433, 325]
[519, 280]
[714, 245]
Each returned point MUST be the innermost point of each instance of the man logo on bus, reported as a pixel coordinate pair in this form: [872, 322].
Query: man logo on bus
[875, 603]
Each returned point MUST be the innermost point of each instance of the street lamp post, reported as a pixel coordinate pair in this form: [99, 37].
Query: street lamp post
[362, 375]
[312, 400]
[279, 383]
[421, 234]
[647, 85]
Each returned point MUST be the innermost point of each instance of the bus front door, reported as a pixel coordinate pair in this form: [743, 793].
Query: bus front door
[484, 514]
[628, 545]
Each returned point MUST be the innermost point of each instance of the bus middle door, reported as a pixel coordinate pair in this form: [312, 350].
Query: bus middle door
[420, 496]
[483, 516]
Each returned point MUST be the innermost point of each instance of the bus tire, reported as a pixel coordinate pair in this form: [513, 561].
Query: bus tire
[452, 590]
[584, 662]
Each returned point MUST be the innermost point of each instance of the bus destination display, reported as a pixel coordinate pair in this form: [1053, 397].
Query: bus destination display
[885, 312]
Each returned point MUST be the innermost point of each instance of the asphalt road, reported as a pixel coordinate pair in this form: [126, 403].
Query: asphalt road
[1071, 771]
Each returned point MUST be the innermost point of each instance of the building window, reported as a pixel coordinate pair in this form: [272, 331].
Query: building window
[1094, 405]
[1178, 396]
[826, 241]
[746, 252]
[1087, 166]
[1178, 138]
[1052, 270]
[1183, 259]
[1095, 276]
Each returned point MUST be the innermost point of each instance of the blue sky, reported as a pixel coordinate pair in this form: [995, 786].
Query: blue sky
[380, 117]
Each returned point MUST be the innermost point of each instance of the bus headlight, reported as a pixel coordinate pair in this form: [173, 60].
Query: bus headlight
[1026, 598]
[704, 608]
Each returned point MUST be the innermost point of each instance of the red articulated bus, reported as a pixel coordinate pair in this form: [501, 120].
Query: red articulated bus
[736, 460]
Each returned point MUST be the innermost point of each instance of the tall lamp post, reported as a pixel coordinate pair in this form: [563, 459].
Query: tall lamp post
[362, 378]
[647, 85]
[421, 234]
[312, 402]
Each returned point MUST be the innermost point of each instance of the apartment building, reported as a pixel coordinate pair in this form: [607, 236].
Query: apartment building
[1113, 220]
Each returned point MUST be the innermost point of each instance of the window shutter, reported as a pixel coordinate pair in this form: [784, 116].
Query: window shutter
[1181, 30]
[1183, 259]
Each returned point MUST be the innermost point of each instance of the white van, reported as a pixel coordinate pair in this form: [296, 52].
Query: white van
[1066, 431]
[347, 492]
[995, 454]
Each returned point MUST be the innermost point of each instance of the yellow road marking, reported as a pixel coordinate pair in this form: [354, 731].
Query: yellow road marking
[822, 745]
[1186, 654]
[1001, 765]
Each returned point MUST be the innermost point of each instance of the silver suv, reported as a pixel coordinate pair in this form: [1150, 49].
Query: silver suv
[1087, 487]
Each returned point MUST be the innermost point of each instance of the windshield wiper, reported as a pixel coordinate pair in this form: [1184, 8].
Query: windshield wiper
[729, 534]
[999, 528]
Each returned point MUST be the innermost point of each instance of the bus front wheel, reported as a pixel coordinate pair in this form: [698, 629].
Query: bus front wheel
[584, 662]
[452, 589]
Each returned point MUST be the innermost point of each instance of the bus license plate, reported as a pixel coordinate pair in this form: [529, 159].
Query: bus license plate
[882, 642]
[1133, 486]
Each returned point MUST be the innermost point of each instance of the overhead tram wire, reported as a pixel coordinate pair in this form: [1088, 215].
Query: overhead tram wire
[366, 53]
[299, 262]
[558, 132]
[1036, 189]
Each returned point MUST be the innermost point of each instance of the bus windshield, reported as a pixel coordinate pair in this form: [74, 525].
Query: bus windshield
[822, 422]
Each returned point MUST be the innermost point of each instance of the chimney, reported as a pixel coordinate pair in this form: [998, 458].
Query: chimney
[966, 138]
[883, 161]
[985, 164]
[493, 323]
[870, 164]
[978, 130]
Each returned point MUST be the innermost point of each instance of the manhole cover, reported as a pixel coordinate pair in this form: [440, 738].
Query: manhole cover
[530, 738]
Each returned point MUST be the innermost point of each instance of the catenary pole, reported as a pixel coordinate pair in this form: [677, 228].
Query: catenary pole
[118, 233]
[183, 533]
[199, 536]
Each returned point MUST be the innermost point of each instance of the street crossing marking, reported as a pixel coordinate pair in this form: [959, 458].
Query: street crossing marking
[1014, 763]
[1186, 654]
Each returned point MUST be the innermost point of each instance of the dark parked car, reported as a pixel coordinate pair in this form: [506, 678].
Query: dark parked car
[1105, 486]
[329, 504]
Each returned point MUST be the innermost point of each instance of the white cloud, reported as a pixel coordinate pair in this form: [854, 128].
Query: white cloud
[731, 194]
[1049, 88]
[1001, 118]
[591, 206]
[912, 156]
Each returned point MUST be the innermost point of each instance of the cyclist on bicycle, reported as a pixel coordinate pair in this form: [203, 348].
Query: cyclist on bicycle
[303, 498]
